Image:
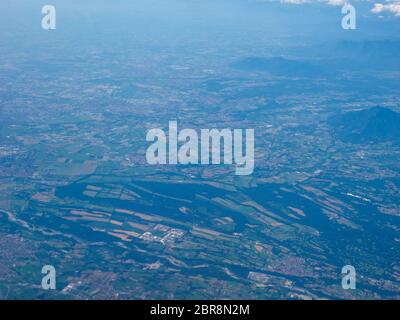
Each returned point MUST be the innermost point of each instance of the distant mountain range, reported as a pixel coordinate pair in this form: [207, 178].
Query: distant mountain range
[279, 67]
[377, 124]
[372, 55]
[389, 49]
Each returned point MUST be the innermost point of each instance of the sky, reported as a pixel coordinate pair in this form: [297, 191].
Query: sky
[172, 21]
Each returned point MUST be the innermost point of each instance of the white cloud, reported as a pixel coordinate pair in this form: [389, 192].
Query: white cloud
[295, 1]
[336, 2]
[330, 2]
[393, 7]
